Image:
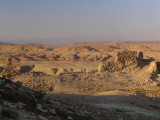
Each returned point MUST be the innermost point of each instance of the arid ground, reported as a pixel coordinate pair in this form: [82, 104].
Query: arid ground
[69, 78]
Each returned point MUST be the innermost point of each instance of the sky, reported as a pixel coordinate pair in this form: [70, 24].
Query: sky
[61, 22]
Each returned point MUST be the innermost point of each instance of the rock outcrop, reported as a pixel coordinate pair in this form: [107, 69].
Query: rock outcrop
[153, 68]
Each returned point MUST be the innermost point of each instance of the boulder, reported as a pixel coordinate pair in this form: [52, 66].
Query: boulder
[54, 70]
[9, 113]
[78, 70]
[101, 67]
[153, 68]
[69, 70]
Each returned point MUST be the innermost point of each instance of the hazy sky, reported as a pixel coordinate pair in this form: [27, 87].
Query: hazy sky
[69, 21]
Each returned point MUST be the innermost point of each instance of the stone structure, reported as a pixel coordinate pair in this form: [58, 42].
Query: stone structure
[124, 59]
[8, 72]
[127, 58]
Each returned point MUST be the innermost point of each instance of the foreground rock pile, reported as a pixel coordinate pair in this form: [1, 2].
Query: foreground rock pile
[17, 102]
[21, 103]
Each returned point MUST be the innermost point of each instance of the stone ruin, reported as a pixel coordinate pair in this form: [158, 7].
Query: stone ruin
[123, 59]
[9, 71]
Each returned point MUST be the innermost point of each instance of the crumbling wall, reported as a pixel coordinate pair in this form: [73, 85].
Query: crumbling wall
[140, 59]
[124, 59]
[114, 66]
[9, 71]
[127, 58]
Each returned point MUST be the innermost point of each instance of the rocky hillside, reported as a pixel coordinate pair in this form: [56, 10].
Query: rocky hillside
[22, 103]
[69, 53]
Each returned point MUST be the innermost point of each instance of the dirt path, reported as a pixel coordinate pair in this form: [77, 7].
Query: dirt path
[130, 108]
[127, 105]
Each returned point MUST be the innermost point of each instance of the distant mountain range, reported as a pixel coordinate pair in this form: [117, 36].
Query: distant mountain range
[147, 43]
[32, 44]
[6, 43]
